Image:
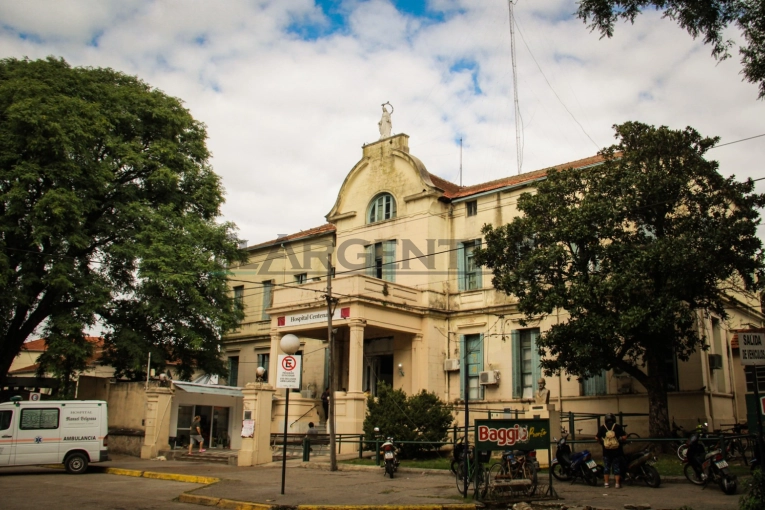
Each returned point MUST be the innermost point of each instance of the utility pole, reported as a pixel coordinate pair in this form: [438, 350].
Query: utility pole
[332, 386]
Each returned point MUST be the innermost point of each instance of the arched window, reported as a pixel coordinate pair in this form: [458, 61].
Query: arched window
[382, 207]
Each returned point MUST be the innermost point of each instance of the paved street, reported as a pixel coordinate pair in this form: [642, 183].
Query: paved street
[36, 488]
[311, 483]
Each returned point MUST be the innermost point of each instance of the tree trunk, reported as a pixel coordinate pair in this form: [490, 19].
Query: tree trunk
[9, 349]
[658, 405]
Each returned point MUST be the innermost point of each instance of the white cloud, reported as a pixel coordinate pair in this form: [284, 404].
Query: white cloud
[287, 116]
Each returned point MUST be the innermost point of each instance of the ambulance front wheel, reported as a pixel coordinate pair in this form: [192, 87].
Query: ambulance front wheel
[76, 463]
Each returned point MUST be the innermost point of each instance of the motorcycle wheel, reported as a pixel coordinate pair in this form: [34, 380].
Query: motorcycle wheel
[691, 475]
[389, 468]
[682, 451]
[728, 485]
[651, 476]
[589, 477]
[560, 473]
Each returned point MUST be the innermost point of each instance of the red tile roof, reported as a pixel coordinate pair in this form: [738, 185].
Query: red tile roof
[327, 227]
[453, 191]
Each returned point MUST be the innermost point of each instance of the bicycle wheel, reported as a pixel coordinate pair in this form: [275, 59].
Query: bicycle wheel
[481, 481]
[531, 474]
[453, 466]
[460, 478]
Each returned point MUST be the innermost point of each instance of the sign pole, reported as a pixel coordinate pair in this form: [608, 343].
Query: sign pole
[466, 442]
[284, 452]
[288, 370]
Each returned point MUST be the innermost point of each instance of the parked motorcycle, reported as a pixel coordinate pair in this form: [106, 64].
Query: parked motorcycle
[699, 432]
[390, 456]
[639, 466]
[561, 464]
[570, 466]
[702, 468]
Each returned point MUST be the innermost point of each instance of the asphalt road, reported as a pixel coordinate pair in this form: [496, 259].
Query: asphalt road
[37, 488]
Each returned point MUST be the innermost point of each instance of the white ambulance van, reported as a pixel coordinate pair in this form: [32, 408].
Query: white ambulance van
[72, 432]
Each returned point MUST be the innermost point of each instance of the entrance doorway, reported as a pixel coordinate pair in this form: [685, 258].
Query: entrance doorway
[214, 420]
[378, 363]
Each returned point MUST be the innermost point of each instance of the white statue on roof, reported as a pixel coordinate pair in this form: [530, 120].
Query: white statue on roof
[385, 124]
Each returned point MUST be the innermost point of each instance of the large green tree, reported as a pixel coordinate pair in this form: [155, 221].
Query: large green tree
[708, 19]
[636, 250]
[109, 217]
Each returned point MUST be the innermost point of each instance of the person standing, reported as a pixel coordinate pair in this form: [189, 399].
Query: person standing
[611, 435]
[196, 435]
[325, 404]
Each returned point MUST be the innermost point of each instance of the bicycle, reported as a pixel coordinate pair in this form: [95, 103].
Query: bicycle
[516, 465]
[476, 474]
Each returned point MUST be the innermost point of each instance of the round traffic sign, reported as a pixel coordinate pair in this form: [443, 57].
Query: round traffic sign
[289, 363]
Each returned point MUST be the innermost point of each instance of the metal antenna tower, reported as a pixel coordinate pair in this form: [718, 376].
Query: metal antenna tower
[515, 87]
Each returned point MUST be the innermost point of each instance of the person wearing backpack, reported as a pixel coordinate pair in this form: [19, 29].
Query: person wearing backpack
[611, 435]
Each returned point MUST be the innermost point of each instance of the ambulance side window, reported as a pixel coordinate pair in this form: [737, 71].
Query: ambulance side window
[5, 419]
[35, 419]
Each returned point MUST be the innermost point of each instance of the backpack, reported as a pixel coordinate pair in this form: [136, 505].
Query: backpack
[611, 442]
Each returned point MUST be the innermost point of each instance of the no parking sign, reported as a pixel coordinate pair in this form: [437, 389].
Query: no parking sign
[288, 372]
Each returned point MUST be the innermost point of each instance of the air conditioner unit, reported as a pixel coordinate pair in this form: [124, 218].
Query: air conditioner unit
[715, 362]
[489, 377]
[451, 365]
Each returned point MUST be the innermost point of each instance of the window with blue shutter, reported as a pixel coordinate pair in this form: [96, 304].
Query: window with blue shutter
[595, 385]
[389, 261]
[473, 367]
[267, 288]
[526, 368]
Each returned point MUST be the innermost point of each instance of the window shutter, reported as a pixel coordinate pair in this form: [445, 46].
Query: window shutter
[480, 365]
[389, 258]
[370, 263]
[595, 385]
[461, 266]
[478, 269]
[536, 370]
[515, 340]
[266, 299]
[463, 366]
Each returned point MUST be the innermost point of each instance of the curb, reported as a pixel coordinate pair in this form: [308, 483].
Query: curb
[155, 475]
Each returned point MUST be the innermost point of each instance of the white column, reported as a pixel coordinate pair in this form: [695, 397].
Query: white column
[356, 356]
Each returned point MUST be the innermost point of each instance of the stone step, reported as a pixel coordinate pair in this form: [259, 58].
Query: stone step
[228, 457]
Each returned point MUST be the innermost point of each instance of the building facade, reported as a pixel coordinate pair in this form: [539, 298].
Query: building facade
[410, 300]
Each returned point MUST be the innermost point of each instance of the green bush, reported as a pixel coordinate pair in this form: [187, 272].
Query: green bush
[755, 498]
[421, 417]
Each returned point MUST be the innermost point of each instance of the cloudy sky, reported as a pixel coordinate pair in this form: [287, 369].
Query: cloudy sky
[291, 89]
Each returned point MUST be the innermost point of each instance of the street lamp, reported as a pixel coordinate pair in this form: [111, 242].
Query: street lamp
[289, 344]
[260, 371]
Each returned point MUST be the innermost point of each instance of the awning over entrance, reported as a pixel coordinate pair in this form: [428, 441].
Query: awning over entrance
[208, 389]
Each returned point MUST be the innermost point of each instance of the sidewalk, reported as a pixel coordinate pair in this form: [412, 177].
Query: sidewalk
[313, 485]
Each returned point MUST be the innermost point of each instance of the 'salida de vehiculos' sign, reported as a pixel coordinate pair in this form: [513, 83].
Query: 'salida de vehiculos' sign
[512, 434]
